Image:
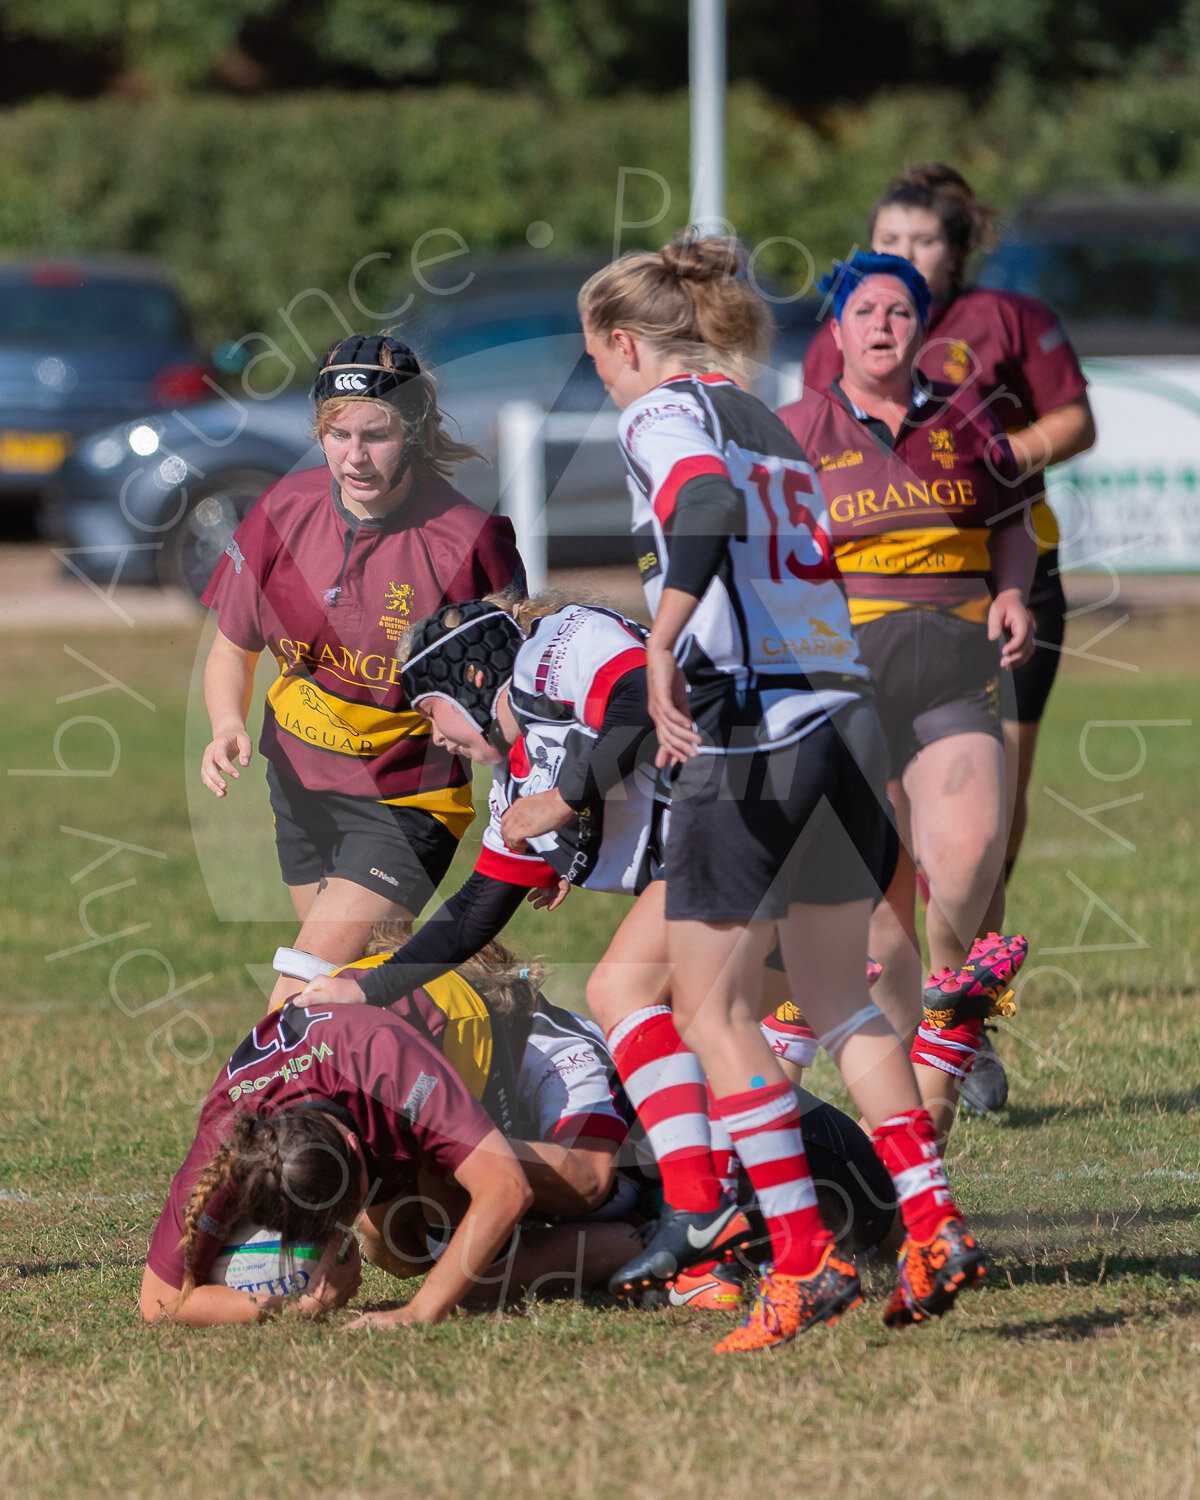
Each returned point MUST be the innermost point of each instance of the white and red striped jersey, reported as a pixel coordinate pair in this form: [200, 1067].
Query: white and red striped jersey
[773, 623]
[562, 680]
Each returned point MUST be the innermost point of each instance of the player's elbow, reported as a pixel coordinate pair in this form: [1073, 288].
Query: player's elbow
[1087, 431]
[517, 1193]
[1077, 430]
[156, 1301]
[595, 1181]
[508, 1192]
[587, 1182]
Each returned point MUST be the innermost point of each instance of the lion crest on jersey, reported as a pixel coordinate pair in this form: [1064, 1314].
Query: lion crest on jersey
[957, 364]
[941, 446]
[399, 597]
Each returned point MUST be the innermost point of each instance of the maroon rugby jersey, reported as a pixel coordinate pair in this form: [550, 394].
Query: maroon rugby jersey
[1009, 349]
[912, 516]
[408, 1106]
[328, 594]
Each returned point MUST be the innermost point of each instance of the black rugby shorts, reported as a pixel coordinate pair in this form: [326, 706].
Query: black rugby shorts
[753, 833]
[402, 853]
[935, 675]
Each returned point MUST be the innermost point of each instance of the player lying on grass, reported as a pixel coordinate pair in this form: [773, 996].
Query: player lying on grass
[558, 710]
[542, 1073]
[325, 1119]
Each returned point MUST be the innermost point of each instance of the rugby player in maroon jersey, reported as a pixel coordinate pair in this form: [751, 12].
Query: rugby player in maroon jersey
[318, 1117]
[928, 511]
[1010, 352]
[324, 572]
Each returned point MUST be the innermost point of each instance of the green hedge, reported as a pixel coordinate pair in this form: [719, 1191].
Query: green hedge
[254, 202]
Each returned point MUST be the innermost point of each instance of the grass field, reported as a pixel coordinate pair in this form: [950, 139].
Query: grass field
[138, 922]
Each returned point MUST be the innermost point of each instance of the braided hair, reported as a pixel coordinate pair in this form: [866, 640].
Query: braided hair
[292, 1171]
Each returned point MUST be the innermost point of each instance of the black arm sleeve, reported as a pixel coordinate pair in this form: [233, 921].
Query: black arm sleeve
[592, 767]
[478, 910]
[708, 512]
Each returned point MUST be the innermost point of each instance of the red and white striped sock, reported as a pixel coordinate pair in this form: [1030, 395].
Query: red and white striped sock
[725, 1158]
[907, 1146]
[765, 1127]
[951, 1049]
[666, 1085]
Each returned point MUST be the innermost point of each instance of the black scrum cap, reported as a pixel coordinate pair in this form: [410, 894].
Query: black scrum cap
[371, 365]
[464, 653]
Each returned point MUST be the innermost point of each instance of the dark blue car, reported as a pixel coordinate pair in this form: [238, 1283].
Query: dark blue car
[84, 343]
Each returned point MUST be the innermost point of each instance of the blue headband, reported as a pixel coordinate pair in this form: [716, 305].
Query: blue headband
[848, 274]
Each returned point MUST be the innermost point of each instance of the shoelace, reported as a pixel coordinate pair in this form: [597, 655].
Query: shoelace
[762, 1303]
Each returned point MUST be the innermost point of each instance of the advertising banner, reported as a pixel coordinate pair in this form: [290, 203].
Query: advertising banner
[1133, 502]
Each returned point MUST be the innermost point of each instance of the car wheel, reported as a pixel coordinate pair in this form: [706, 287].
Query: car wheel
[194, 547]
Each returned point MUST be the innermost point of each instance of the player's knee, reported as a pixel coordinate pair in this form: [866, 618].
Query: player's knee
[604, 996]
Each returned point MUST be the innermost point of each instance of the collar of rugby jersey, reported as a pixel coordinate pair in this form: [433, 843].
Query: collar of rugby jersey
[880, 432]
[396, 519]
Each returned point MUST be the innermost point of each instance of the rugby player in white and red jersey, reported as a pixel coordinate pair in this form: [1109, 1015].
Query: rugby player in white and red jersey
[777, 826]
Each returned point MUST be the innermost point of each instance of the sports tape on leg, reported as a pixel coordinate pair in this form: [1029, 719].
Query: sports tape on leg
[835, 1039]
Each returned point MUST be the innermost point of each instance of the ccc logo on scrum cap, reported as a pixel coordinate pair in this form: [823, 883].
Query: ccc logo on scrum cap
[350, 382]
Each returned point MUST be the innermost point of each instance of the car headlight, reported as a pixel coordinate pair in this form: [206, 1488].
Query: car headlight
[143, 439]
[172, 471]
[104, 452]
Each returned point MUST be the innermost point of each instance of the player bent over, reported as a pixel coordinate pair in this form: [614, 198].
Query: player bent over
[317, 1117]
[321, 1116]
[545, 1077]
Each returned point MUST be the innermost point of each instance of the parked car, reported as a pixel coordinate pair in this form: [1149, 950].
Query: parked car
[84, 343]
[157, 498]
[1120, 270]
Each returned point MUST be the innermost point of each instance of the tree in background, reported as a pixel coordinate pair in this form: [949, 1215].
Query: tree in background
[806, 53]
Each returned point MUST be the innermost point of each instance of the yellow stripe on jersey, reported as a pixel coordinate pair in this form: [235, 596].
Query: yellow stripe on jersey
[363, 730]
[1045, 526]
[450, 805]
[925, 552]
[467, 1041]
[863, 611]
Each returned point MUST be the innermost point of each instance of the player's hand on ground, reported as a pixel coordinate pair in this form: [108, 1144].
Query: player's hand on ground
[334, 1281]
[551, 897]
[528, 817]
[396, 1317]
[1011, 623]
[330, 989]
[666, 693]
[225, 752]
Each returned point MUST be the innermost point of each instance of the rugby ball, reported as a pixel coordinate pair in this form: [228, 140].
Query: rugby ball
[252, 1260]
